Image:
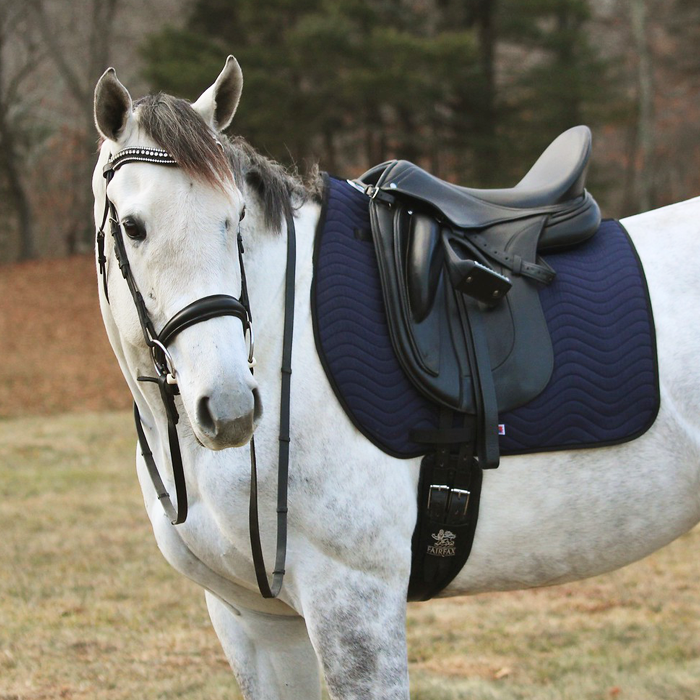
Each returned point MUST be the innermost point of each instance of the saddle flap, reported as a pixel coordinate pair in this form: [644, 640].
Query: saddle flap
[427, 315]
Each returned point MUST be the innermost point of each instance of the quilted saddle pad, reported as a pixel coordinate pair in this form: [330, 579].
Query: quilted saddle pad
[604, 387]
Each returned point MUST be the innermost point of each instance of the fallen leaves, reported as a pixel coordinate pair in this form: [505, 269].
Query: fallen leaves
[54, 353]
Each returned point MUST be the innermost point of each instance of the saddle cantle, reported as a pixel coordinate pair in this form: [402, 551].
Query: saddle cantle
[459, 269]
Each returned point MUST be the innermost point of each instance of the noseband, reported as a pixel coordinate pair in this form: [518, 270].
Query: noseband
[199, 311]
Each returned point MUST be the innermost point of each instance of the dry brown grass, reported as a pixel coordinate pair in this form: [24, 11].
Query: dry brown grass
[634, 633]
[89, 609]
[54, 350]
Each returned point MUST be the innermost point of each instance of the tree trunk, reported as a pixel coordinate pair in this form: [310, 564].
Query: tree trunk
[10, 160]
[408, 148]
[80, 231]
[566, 55]
[329, 150]
[17, 191]
[487, 152]
[645, 106]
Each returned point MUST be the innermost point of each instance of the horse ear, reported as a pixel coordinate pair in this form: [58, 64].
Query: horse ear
[218, 104]
[113, 106]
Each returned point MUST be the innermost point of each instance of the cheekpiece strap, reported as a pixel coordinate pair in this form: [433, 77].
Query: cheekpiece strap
[138, 155]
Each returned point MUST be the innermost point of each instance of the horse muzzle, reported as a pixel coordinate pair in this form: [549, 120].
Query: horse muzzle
[222, 421]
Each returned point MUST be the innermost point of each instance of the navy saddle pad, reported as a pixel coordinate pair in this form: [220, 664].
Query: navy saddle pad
[604, 388]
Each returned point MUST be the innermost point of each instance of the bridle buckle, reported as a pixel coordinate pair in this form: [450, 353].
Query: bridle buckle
[250, 340]
[166, 369]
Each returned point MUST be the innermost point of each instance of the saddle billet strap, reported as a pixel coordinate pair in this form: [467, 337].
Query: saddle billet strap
[273, 590]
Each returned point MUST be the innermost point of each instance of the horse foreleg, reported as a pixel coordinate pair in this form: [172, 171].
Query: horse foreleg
[271, 655]
[357, 624]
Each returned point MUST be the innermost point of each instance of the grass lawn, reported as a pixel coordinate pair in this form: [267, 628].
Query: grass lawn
[89, 609]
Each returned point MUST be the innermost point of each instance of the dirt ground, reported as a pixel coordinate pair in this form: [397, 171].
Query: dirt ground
[54, 353]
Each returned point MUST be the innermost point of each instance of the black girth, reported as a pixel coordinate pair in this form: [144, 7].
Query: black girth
[197, 312]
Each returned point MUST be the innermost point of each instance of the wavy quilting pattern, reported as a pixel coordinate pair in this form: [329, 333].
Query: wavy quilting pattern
[604, 388]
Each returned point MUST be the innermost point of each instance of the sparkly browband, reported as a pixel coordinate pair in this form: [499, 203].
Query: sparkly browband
[139, 155]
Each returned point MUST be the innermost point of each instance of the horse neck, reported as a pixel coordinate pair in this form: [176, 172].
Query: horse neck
[266, 266]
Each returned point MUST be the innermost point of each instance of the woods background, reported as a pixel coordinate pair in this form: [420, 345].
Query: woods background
[471, 89]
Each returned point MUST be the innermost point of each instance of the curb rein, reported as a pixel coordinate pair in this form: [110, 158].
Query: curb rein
[197, 312]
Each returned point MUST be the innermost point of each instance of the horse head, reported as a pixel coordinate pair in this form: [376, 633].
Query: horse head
[174, 238]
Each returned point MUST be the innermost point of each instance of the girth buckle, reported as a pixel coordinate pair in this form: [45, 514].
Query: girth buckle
[438, 497]
[448, 505]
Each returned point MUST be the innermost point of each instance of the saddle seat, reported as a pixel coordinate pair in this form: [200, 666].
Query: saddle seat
[459, 269]
[555, 184]
[557, 176]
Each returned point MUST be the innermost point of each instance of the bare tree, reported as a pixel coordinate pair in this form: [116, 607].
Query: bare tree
[79, 64]
[19, 57]
[645, 105]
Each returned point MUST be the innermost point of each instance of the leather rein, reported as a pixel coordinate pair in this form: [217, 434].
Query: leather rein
[166, 375]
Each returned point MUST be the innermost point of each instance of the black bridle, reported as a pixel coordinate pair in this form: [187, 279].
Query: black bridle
[166, 375]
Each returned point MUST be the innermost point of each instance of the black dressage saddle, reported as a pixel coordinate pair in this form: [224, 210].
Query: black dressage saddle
[460, 271]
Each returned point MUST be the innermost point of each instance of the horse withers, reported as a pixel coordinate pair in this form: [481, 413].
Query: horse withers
[172, 258]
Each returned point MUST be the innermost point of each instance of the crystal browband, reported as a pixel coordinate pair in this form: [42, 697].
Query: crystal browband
[143, 155]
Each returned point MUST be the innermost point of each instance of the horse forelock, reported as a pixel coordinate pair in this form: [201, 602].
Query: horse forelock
[177, 128]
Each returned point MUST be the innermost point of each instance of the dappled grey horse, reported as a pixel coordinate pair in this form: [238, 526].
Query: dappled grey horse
[545, 518]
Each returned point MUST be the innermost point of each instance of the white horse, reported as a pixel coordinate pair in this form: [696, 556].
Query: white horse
[545, 518]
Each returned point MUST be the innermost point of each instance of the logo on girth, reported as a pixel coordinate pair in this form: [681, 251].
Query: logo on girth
[444, 544]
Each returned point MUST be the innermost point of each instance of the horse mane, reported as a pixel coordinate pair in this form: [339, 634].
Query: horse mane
[177, 128]
[280, 190]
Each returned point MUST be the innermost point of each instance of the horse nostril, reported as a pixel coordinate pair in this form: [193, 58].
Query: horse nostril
[204, 416]
[229, 430]
[257, 406]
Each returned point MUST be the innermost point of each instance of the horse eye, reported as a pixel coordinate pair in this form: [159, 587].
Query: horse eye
[134, 230]
[242, 216]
